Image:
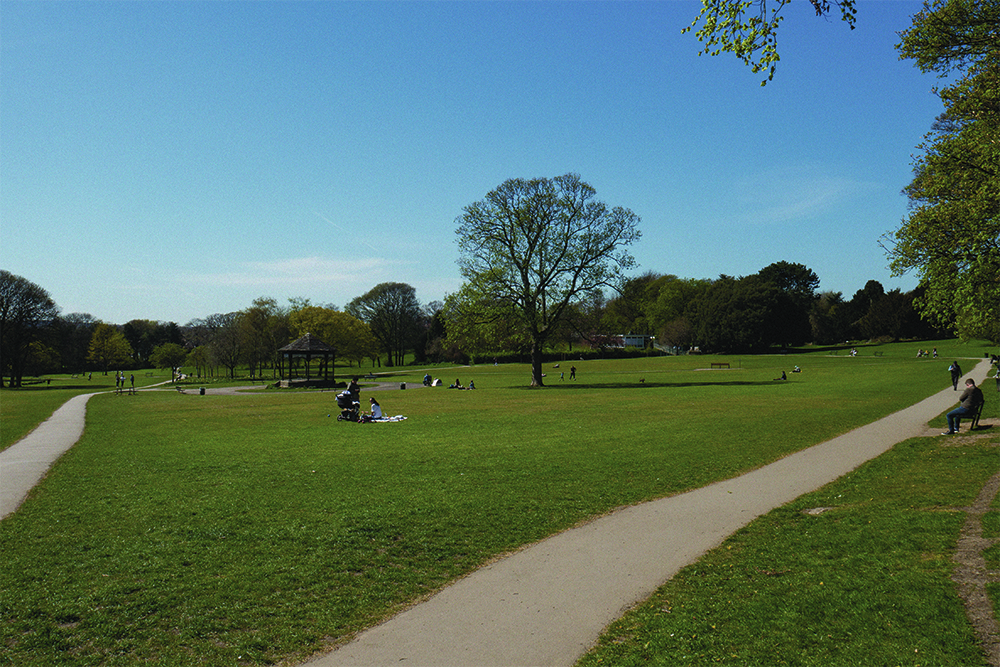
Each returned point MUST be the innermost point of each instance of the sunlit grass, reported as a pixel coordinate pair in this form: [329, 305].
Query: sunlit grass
[187, 529]
[865, 582]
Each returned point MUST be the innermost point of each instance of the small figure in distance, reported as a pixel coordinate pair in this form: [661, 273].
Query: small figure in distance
[572, 372]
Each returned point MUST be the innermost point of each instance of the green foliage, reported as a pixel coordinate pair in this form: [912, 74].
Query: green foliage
[951, 238]
[735, 315]
[169, 355]
[951, 34]
[25, 309]
[749, 31]
[108, 347]
[352, 337]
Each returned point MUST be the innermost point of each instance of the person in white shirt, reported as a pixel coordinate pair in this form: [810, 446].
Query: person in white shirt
[376, 408]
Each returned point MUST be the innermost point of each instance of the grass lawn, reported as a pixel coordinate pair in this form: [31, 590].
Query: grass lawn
[186, 529]
[22, 409]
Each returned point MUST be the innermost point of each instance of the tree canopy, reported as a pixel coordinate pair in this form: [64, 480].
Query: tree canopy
[749, 28]
[392, 312]
[25, 308]
[537, 246]
[951, 237]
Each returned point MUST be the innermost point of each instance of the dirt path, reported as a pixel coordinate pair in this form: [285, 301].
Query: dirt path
[971, 574]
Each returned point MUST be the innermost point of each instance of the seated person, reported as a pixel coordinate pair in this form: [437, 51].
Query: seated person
[970, 400]
[376, 408]
[472, 384]
[427, 380]
[457, 385]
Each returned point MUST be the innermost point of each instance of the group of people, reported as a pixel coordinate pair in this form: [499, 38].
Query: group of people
[925, 353]
[354, 389]
[437, 383]
[120, 382]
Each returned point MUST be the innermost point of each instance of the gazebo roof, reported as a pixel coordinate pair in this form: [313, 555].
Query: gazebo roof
[307, 344]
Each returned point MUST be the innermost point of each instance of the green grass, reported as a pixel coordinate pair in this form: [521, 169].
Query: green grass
[866, 583]
[188, 529]
[22, 409]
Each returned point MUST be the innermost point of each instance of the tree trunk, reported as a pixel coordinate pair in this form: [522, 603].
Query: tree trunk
[536, 365]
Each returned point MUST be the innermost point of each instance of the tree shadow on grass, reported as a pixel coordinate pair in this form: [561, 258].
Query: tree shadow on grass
[656, 385]
[56, 387]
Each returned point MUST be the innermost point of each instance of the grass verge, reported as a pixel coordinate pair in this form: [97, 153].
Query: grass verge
[864, 582]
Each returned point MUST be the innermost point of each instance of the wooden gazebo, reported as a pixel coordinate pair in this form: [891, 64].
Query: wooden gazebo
[308, 347]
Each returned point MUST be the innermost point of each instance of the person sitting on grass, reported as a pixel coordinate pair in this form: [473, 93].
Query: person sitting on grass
[970, 400]
[376, 408]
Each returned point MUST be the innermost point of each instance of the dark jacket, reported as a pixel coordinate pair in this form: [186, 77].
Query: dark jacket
[971, 398]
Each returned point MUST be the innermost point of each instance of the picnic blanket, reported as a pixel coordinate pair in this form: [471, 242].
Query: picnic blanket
[367, 419]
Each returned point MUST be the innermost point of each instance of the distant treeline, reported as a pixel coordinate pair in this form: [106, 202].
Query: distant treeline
[778, 306]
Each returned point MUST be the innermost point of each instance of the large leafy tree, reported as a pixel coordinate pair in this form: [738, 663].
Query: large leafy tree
[796, 285]
[25, 311]
[536, 246]
[951, 237]
[108, 347]
[393, 314]
[734, 315]
[749, 28]
[348, 334]
[168, 355]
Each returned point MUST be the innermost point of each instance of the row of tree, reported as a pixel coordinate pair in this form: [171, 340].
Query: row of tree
[387, 321]
[951, 237]
[776, 306]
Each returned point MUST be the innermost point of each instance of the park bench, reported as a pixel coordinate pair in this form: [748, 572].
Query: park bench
[720, 364]
[180, 389]
[371, 376]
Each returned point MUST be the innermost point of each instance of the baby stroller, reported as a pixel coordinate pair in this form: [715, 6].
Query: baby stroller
[349, 406]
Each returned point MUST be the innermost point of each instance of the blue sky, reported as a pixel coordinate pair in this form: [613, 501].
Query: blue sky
[170, 160]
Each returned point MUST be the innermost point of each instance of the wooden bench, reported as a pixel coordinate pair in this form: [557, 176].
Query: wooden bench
[371, 376]
[180, 389]
[720, 364]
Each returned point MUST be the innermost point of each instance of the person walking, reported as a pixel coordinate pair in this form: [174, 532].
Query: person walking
[572, 372]
[956, 374]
